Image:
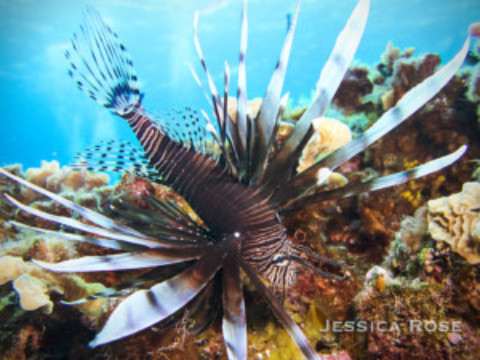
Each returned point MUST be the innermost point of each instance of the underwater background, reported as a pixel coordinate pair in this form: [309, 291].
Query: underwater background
[410, 252]
[44, 117]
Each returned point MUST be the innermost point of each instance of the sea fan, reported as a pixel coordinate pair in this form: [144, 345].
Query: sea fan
[232, 172]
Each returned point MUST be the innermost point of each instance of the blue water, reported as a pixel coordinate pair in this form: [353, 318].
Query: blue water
[44, 116]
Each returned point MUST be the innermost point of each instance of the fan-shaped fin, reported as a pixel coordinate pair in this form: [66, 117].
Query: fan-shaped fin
[124, 261]
[108, 243]
[101, 66]
[88, 214]
[234, 320]
[144, 308]
[150, 243]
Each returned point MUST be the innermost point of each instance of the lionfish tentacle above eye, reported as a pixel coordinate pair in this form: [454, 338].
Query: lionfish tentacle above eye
[145, 308]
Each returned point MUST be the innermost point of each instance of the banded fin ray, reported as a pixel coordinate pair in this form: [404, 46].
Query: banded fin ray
[377, 183]
[265, 122]
[155, 275]
[108, 243]
[123, 261]
[216, 102]
[145, 308]
[234, 323]
[168, 223]
[290, 326]
[101, 65]
[149, 243]
[406, 106]
[240, 127]
[88, 214]
[330, 78]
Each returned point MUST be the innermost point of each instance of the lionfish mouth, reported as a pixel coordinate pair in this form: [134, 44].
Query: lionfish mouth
[234, 174]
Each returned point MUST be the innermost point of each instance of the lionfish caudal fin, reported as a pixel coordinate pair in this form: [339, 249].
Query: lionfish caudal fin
[101, 66]
[103, 69]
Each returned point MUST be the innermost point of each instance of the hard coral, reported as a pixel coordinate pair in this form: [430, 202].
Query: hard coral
[54, 179]
[329, 135]
[34, 285]
[456, 221]
[354, 86]
[404, 322]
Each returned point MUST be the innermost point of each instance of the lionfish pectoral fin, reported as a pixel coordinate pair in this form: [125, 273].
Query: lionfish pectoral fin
[234, 323]
[115, 262]
[145, 308]
[376, 183]
[88, 214]
[75, 224]
[285, 319]
[156, 275]
[406, 106]
[102, 67]
[279, 169]
[108, 243]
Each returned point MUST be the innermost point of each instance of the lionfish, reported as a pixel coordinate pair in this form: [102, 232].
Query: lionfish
[240, 187]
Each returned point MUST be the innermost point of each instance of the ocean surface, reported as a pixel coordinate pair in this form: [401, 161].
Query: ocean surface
[45, 117]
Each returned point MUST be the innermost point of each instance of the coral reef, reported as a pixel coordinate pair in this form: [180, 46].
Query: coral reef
[412, 320]
[456, 220]
[398, 267]
[253, 107]
[329, 135]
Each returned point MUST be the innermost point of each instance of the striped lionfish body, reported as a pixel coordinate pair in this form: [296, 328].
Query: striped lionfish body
[239, 187]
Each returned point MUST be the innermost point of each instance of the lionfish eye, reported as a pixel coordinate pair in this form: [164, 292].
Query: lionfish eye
[280, 260]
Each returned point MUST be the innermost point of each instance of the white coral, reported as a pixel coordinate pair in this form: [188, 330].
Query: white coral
[456, 220]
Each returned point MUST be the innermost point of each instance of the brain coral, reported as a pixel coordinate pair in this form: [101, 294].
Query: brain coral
[456, 220]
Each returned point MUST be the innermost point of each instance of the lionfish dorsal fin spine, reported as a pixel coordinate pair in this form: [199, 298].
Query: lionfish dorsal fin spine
[331, 76]
[265, 123]
[241, 124]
